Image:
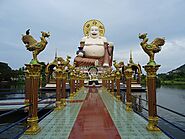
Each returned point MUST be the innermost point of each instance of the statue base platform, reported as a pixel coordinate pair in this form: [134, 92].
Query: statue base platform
[100, 69]
[93, 82]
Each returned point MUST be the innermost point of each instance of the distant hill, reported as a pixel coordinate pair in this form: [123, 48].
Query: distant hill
[178, 70]
[176, 76]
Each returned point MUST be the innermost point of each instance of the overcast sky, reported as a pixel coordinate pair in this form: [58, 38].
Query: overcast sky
[123, 21]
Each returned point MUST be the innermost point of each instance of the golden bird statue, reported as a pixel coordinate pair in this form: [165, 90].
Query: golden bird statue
[35, 46]
[151, 48]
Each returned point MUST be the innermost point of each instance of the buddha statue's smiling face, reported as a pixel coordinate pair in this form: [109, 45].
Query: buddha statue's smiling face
[94, 32]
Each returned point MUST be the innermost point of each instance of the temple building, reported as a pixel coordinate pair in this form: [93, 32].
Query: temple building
[94, 57]
[51, 67]
[136, 68]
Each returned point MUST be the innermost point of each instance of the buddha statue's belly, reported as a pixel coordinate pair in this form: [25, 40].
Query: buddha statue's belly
[94, 51]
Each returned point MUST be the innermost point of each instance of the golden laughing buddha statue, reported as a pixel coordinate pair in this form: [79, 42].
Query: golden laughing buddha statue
[94, 48]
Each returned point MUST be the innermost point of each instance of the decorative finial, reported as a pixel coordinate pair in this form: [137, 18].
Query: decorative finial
[34, 46]
[56, 53]
[131, 60]
[151, 48]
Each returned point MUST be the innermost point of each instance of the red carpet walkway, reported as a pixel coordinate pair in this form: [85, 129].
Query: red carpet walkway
[93, 120]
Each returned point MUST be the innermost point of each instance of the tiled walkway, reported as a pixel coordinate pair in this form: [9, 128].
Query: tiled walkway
[129, 124]
[59, 124]
[93, 120]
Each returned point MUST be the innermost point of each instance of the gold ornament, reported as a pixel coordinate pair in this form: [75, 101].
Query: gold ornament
[152, 124]
[35, 46]
[151, 48]
[93, 22]
[151, 70]
[128, 106]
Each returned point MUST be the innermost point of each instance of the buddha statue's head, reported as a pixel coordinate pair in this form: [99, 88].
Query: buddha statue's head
[94, 32]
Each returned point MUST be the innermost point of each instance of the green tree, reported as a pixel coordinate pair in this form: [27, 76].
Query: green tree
[5, 72]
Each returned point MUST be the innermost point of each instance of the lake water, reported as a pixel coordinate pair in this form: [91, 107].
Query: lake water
[172, 97]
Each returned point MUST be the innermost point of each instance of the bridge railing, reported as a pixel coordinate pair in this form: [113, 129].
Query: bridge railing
[22, 121]
[168, 133]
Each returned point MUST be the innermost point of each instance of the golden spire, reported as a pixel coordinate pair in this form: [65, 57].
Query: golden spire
[55, 53]
[131, 60]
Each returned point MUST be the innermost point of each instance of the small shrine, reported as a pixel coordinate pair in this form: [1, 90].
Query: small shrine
[136, 70]
[51, 67]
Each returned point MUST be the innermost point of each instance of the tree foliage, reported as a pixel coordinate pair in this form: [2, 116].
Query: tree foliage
[5, 72]
[174, 75]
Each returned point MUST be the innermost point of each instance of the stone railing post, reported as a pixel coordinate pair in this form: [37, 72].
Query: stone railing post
[64, 80]
[112, 83]
[47, 77]
[34, 74]
[118, 77]
[27, 87]
[103, 81]
[128, 75]
[151, 85]
[151, 68]
[58, 73]
[72, 84]
[40, 82]
[81, 80]
[108, 82]
[77, 83]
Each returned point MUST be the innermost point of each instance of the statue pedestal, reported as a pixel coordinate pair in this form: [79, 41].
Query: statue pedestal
[93, 82]
[34, 74]
[152, 108]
